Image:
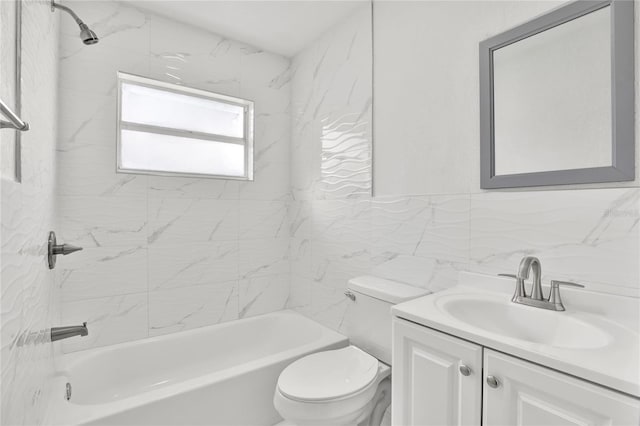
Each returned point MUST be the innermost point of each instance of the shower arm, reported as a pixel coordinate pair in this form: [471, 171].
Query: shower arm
[55, 6]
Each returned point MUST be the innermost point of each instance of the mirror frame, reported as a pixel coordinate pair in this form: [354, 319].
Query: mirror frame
[622, 97]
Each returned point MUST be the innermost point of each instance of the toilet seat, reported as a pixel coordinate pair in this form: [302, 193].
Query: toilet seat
[328, 375]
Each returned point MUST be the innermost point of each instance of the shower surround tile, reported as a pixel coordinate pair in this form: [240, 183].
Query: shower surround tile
[172, 221]
[194, 188]
[271, 182]
[28, 296]
[180, 309]
[93, 70]
[173, 247]
[102, 221]
[184, 265]
[87, 118]
[263, 257]
[82, 170]
[110, 320]
[101, 272]
[263, 219]
[120, 27]
[263, 294]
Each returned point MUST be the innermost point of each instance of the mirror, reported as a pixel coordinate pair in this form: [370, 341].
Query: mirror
[557, 98]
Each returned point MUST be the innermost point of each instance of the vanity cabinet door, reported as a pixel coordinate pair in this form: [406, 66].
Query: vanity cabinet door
[528, 394]
[437, 379]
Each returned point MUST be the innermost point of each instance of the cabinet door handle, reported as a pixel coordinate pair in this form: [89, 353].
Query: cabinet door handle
[493, 382]
[464, 370]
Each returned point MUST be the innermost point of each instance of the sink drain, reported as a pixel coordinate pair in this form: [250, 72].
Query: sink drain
[68, 391]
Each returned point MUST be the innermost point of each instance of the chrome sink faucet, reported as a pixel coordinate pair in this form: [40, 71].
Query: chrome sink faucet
[536, 299]
[527, 264]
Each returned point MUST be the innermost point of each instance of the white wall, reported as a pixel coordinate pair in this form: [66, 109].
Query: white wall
[164, 254]
[429, 219]
[29, 305]
[427, 84]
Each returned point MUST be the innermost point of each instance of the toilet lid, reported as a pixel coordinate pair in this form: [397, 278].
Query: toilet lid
[328, 375]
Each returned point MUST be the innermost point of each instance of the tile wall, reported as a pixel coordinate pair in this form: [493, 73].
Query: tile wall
[29, 303]
[429, 219]
[164, 254]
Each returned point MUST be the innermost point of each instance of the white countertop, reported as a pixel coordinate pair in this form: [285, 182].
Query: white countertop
[615, 365]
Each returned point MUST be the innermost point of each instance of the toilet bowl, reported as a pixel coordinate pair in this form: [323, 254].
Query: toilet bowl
[352, 385]
[338, 387]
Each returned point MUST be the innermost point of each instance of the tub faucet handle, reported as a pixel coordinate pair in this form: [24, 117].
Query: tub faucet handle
[65, 249]
[56, 249]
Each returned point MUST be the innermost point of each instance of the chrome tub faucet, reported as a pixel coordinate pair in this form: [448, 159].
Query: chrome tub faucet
[59, 333]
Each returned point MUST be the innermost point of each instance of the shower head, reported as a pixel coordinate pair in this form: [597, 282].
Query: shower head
[87, 36]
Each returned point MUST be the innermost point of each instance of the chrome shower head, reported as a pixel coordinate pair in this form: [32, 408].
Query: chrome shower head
[87, 36]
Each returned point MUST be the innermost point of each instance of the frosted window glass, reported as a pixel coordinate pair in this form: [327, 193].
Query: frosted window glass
[156, 107]
[154, 152]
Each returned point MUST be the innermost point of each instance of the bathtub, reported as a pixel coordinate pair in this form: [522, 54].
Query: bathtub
[223, 374]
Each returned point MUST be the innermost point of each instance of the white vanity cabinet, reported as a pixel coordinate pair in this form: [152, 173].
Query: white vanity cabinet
[431, 387]
[528, 394]
[437, 379]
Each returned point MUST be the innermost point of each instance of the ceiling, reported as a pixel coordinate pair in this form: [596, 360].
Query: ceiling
[282, 27]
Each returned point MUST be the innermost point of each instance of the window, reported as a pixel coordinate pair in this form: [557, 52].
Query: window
[167, 129]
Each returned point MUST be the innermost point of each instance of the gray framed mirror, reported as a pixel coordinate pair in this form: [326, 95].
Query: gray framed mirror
[557, 98]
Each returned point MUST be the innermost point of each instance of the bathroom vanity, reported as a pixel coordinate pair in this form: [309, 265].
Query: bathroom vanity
[469, 355]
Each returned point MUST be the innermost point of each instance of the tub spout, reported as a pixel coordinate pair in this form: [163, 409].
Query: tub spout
[59, 333]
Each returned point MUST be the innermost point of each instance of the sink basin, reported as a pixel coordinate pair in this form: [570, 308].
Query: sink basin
[501, 316]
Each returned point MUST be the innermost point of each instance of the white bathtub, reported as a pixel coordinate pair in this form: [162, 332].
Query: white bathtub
[218, 375]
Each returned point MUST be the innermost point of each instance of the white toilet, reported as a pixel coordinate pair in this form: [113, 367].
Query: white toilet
[349, 386]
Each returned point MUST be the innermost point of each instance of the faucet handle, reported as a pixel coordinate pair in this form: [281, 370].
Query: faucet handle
[557, 283]
[554, 292]
[520, 291]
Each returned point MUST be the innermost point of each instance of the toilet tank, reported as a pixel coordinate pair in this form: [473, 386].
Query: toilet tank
[368, 316]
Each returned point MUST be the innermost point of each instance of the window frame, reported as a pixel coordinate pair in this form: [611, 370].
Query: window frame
[247, 141]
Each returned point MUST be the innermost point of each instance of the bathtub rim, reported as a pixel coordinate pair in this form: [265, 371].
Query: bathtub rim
[67, 413]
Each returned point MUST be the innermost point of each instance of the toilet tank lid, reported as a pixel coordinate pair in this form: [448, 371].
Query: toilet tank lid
[385, 290]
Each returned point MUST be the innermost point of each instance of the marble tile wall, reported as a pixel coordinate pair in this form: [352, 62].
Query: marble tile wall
[332, 112]
[29, 303]
[169, 254]
[426, 119]
[165, 254]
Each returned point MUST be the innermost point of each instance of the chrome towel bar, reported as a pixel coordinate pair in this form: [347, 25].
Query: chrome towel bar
[14, 121]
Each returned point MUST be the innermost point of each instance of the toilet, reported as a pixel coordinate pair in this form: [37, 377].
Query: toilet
[352, 385]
